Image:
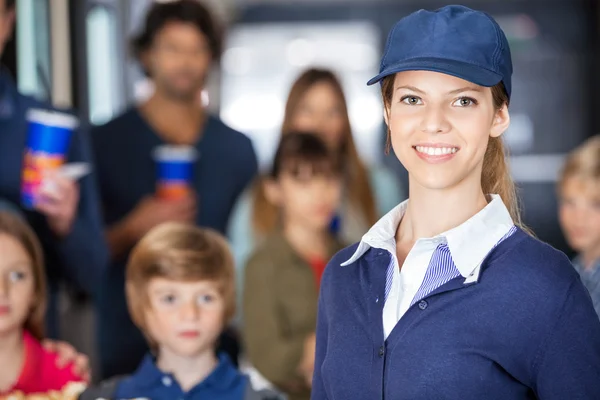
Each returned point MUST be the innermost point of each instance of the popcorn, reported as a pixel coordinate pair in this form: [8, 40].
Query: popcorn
[70, 391]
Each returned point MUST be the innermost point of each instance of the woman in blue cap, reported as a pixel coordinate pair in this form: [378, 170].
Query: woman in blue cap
[448, 296]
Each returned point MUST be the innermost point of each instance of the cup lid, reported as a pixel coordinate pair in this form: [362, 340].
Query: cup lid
[175, 153]
[52, 118]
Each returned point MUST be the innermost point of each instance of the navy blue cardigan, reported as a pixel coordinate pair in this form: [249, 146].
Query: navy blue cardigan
[525, 330]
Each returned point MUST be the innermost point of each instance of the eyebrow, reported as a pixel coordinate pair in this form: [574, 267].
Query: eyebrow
[20, 264]
[162, 290]
[467, 89]
[455, 91]
[411, 88]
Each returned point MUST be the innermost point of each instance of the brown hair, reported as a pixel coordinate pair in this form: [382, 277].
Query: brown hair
[13, 226]
[183, 11]
[495, 175]
[360, 193]
[298, 150]
[583, 162]
[179, 252]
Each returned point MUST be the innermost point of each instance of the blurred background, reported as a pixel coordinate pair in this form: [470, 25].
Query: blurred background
[75, 53]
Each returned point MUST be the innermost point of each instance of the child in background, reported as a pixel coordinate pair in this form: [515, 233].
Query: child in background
[283, 275]
[27, 368]
[180, 293]
[579, 193]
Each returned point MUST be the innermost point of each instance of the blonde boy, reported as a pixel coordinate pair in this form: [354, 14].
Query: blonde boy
[579, 193]
[180, 293]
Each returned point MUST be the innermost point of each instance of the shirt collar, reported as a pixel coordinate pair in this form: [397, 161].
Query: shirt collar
[222, 377]
[468, 243]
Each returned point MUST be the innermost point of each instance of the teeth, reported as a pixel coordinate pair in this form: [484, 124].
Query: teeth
[436, 151]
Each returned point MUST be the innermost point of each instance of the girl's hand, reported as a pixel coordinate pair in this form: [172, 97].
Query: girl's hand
[307, 364]
[67, 354]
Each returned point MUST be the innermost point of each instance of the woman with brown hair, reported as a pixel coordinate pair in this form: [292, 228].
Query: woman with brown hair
[447, 296]
[316, 103]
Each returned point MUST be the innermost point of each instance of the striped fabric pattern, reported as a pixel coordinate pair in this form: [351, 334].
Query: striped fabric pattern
[389, 277]
[441, 269]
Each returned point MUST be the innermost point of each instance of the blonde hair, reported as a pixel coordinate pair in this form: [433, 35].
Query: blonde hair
[495, 175]
[179, 252]
[15, 227]
[583, 162]
[360, 193]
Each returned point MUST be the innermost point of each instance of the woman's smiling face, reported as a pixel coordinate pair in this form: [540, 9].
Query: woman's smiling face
[440, 127]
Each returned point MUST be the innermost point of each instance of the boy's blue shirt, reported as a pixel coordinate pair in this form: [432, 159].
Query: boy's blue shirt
[225, 382]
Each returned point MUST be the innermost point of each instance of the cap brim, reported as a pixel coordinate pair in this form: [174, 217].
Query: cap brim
[468, 72]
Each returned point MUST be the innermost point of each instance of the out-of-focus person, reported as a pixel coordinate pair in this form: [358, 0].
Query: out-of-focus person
[179, 43]
[181, 292]
[283, 275]
[27, 367]
[579, 212]
[316, 103]
[66, 214]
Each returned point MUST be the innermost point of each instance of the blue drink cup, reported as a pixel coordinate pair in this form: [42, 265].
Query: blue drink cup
[48, 138]
[174, 171]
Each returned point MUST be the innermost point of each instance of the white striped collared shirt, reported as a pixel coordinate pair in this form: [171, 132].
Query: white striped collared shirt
[434, 261]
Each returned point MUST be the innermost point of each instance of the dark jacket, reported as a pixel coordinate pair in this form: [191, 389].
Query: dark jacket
[82, 256]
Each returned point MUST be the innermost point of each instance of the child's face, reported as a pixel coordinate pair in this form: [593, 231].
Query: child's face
[184, 318]
[580, 214]
[440, 127]
[16, 284]
[310, 200]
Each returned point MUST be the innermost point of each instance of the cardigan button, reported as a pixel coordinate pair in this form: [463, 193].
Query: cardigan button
[381, 351]
[423, 304]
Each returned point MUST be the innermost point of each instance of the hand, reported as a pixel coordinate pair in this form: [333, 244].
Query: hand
[307, 364]
[68, 355]
[58, 199]
[152, 211]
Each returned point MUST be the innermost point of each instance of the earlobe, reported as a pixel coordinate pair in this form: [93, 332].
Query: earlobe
[501, 122]
[386, 115]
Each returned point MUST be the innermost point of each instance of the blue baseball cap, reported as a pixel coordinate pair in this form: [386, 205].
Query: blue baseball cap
[453, 40]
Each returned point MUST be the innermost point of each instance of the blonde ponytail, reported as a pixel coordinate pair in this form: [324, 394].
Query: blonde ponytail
[495, 178]
[495, 175]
